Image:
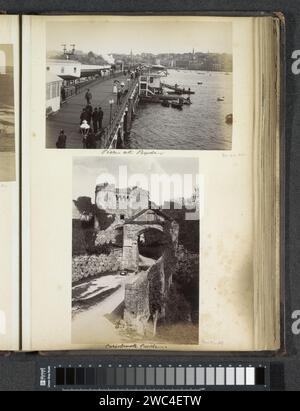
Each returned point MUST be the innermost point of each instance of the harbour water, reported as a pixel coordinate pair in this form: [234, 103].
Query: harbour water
[200, 126]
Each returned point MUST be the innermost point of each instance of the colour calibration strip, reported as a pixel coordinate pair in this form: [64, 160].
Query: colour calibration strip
[120, 377]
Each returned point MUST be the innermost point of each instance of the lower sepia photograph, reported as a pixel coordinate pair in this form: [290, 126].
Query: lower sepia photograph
[135, 251]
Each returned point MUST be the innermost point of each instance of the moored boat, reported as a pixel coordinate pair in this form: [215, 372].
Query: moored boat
[165, 103]
[229, 119]
[187, 102]
[175, 88]
[177, 104]
[174, 92]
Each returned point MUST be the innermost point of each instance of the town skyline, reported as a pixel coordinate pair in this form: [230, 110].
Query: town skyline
[187, 60]
[157, 36]
[128, 54]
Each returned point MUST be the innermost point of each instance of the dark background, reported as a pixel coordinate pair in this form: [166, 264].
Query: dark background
[17, 371]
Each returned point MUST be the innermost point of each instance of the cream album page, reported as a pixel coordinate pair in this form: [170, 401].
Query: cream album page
[137, 183]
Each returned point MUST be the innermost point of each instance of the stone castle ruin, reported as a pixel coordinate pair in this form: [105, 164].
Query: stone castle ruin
[143, 244]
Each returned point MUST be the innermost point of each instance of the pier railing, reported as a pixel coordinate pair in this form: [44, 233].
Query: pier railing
[110, 131]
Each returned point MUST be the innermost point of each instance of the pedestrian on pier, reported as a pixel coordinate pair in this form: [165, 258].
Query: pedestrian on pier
[84, 129]
[89, 110]
[122, 87]
[63, 93]
[88, 96]
[61, 141]
[100, 117]
[95, 119]
[91, 140]
[83, 115]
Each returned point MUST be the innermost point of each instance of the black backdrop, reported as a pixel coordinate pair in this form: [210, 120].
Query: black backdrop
[18, 370]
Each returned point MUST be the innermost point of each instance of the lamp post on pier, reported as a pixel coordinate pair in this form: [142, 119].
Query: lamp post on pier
[111, 102]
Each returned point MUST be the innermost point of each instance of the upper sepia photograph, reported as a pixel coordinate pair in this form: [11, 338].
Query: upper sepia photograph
[160, 83]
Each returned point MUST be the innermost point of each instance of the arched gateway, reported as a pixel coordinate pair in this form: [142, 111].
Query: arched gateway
[154, 221]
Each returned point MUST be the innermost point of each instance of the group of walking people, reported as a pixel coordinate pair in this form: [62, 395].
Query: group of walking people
[93, 116]
[90, 122]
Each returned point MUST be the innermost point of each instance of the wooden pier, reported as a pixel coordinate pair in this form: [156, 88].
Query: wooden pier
[118, 118]
[68, 117]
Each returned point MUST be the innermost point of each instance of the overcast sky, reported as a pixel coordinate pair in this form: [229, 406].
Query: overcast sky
[104, 37]
[88, 171]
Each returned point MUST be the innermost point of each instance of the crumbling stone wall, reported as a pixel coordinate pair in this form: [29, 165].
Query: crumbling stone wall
[146, 293]
[112, 235]
[137, 310]
[156, 279]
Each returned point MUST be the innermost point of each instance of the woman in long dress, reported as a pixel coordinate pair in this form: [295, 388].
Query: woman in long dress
[84, 130]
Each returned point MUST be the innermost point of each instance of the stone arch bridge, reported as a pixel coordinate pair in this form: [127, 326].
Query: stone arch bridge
[141, 223]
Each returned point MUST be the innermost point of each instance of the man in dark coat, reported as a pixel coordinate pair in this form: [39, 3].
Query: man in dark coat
[95, 119]
[89, 111]
[63, 93]
[61, 141]
[83, 115]
[100, 117]
[91, 140]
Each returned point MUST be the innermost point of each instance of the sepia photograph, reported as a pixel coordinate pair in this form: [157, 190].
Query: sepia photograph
[139, 83]
[7, 122]
[135, 250]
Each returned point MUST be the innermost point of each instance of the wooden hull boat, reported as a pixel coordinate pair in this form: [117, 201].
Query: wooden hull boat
[177, 105]
[229, 119]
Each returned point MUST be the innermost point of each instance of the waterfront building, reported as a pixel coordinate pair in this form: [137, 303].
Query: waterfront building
[53, 92]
